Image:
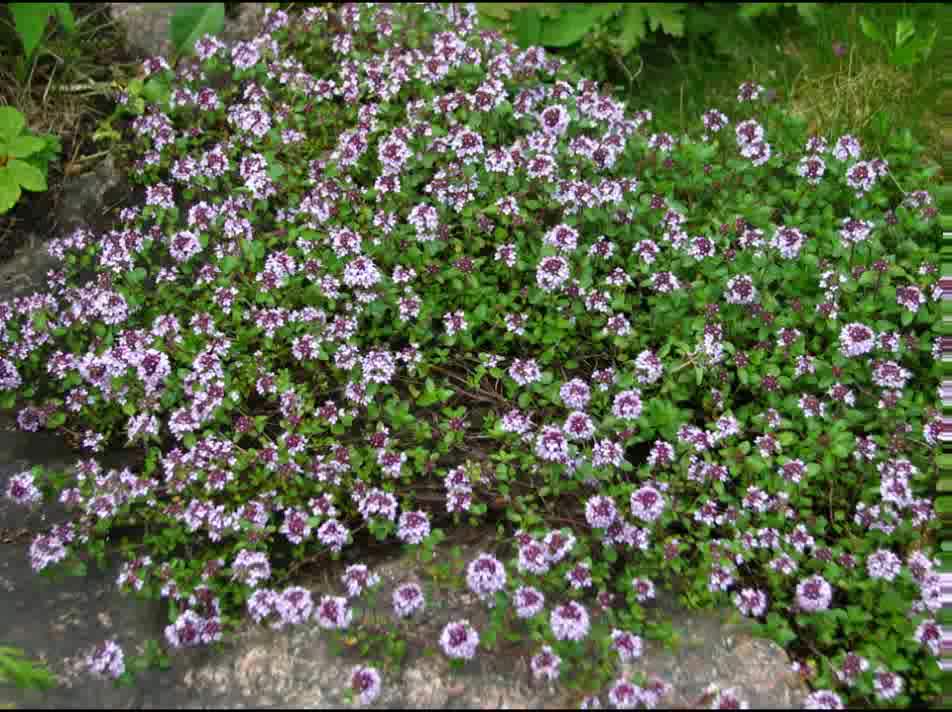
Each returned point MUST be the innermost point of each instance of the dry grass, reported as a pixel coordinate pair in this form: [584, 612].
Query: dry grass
[848, 100]
[67, 80]
[50, 112]
[838, 95]
[67, 90]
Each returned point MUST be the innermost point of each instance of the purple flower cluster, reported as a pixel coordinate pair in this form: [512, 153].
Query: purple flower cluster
[413, 527]
[628, 646]
[600, 512]
[408, 598]
[485, 576]
[333, 612]
[545, 664]
[459, 640]
[365, 683]
[358, 578]
[528, 601]
[287, 305]
[106, 660]
[647, 504]
[569, 621]
[814, 594]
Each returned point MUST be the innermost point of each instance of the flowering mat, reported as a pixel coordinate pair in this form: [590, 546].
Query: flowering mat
[400, 286]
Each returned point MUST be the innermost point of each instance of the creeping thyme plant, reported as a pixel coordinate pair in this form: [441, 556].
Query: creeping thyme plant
[387, 238]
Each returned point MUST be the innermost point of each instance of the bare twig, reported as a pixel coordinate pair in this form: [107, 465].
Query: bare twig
[492, 397]
[49, 84]
[621, 63]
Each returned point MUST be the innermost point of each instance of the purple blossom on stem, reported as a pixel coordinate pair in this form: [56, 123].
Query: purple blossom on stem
[814, 594]
[365, 682]
[408, 598]
[459, 640]
[569, 621]
[106, 660]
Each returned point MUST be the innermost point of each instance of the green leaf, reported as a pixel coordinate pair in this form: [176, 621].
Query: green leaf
[193, 20]
[905, 29]
[9, 191]
[503, 11]
[30, 177]
[527, 27]
[809, 11]
[667, 16]
[229, 264]
[22, 146]
[496, 10]
[904, 56]
[943, 505]
[65, 16]
[137, 276]
[924, 45]
[30, 19]
[275, 169]
[870, 30]
[23, 673]
[750, 10]
[633, 29]
[576, 22]
[779, 630]
[11, 123]
[156, 90]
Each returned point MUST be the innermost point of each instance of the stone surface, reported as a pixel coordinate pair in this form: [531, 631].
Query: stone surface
[147, 24]
[86, 202]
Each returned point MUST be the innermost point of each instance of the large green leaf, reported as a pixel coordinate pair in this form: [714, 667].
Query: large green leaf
[30, 19]
[9, 191]
[156, 90]
[495, 10]
[488, 22]
[905, 29]
[640, 17]
[30, 177]
[870, 30]
[65, 16]
[668, 16]
[11, 123]
[575, 22]
[193, 20]
[22, 146]
[528, 27]
[632, 28]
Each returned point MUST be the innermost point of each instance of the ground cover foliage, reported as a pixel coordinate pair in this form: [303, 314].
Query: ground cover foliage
[449, 282]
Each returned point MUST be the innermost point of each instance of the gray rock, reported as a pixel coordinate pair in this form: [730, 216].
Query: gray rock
[86, 202]
[146, 25]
